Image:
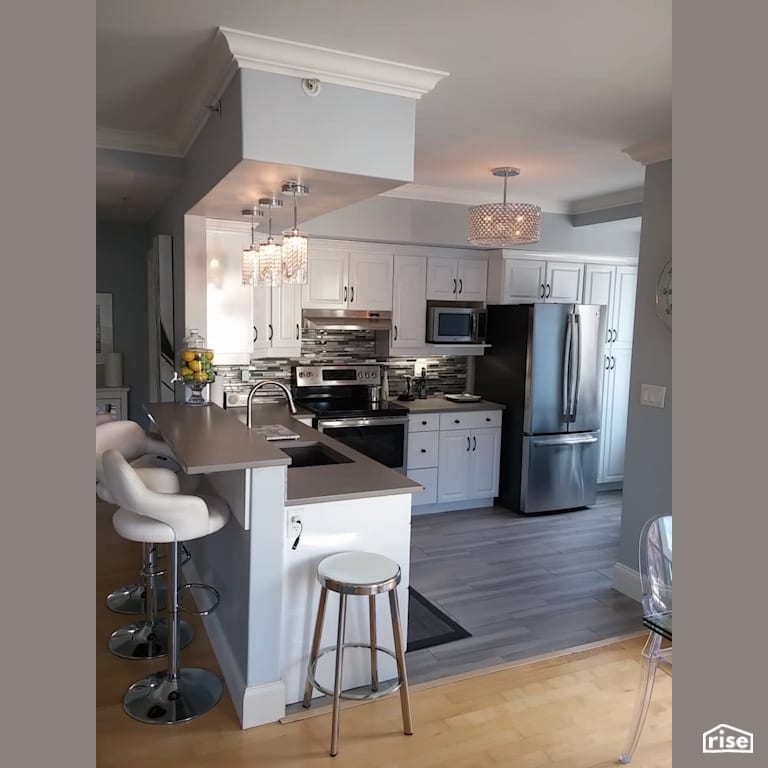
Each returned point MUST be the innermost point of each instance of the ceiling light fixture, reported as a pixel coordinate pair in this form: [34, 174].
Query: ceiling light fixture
[295, 243]
[504, 223]
[250, 254]
[269, 261]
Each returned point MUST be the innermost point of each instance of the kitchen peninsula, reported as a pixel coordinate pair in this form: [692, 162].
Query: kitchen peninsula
[285, 519]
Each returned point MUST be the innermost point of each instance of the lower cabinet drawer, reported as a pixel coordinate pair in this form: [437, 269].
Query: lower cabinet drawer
[109, 405]
[422, 450]
[427, 478]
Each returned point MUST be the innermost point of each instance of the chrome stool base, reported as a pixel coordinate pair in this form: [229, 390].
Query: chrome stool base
[130, 599]
[146, 640]
[159, 700]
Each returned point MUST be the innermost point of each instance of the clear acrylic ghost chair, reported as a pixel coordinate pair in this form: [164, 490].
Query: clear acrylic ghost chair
[146, 638]
[179, 693]
[656, 577]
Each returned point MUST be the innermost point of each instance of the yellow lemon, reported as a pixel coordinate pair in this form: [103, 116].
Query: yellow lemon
[194, 365]
[186, 371]
[209, 354]
[201, 377]
[187, 355]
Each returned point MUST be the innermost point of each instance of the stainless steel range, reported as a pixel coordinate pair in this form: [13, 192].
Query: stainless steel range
[346, 405]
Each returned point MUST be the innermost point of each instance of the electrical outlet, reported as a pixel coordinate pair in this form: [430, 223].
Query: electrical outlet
[653, 395]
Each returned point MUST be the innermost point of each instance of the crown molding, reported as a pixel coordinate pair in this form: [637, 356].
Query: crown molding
[461, 197]
[609, 200]
[285, 57]
[651, 152]
[132, 141]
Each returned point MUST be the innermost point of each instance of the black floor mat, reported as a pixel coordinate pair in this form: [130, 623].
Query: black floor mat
[428, 625]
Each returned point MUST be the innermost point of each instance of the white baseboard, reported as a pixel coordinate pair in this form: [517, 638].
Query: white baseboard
[627, 581]
[255, 705]
[450, 506]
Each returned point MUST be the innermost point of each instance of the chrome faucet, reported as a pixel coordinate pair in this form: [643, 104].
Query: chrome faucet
[259, 385]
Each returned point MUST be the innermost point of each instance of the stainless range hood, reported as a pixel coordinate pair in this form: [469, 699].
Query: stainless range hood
[347, 319]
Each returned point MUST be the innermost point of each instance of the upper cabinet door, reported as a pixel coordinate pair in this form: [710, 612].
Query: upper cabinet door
[442, 280]
[624, 307]
[472, 277]
[564, 282]
[286, 318]
[409, 307]
[524, 281]
[599, 286]
[327, 285]
[370, 281]
[262, 319]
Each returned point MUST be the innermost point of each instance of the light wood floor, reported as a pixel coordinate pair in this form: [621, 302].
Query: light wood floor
[571, 711]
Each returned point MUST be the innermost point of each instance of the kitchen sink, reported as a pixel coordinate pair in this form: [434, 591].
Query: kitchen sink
[313, 455]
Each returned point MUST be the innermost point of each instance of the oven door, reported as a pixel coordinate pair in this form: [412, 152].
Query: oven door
[381, 438]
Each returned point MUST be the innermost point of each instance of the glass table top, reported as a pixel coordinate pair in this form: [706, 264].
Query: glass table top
[661, 623]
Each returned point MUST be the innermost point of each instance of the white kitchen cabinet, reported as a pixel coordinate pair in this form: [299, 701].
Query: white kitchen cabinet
[277, 321]
[615, 409]
[409, 305]
[514, 280]
[615, 287]
[340, 278]
[112, 400]
[456, 279]
[468, 465]
[423, 455]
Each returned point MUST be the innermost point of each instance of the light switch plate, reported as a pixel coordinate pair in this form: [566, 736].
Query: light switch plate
[653, 395]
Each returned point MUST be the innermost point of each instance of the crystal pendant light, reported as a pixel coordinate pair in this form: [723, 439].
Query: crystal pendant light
[504, 223]
[269, 261]
[250, 254]
[295, 256]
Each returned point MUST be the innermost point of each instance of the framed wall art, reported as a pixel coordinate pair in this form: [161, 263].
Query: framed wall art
[103, 326]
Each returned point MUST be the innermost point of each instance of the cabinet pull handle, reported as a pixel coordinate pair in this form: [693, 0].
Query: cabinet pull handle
[468, 442]
[454, 285]
[271, 332]
[613, 362]
[549, 291]
[423, 450]
[456, 421]
[395, 328]
[607, 362]
[255, 334]
[351, 294]
[345, 293]
[487, 418]
[424, 423]
[297, 332]
[474, 443]
[615, 334]
[461, 285]
[542, 291]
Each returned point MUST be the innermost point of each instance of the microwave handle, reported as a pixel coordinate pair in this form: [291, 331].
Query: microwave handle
[473, 327]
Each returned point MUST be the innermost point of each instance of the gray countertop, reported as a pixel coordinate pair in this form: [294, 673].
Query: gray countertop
[219, 440]
[437, 404]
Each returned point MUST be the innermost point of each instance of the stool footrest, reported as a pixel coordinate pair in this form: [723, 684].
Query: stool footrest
[383, 691]
[208, 588]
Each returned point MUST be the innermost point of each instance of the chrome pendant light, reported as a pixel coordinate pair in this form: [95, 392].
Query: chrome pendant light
[295, 243]
[250, 254]
[269, 261]
[499, 224]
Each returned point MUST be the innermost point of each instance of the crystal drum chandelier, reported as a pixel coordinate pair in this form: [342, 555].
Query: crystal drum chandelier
[269, 260]
[250, 254]
[504, 223]
[295, 252]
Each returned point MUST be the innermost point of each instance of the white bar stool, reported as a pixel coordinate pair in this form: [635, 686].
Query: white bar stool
[366, 574]
[177, 694]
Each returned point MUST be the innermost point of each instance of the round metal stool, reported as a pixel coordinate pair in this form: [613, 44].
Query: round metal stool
[364, 574]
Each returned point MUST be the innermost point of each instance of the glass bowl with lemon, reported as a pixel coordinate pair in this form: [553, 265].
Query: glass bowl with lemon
[195, 368]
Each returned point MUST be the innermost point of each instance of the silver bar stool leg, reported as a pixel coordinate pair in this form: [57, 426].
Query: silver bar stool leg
[405, 701]
[131, 598]
[315, 647]
[338, 674]
[177, 694]
[374, 662]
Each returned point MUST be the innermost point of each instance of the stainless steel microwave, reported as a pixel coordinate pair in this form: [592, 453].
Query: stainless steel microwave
[455, 325]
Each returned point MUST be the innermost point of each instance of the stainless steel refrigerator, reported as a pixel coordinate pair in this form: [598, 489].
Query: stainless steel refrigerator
[545, 366]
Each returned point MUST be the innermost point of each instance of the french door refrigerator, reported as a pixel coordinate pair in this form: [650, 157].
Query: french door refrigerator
[545, 365]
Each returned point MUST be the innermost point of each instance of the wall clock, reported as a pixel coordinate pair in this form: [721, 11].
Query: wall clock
[664, 294]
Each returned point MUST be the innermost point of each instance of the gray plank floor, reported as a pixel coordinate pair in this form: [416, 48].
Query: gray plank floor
[521, 585]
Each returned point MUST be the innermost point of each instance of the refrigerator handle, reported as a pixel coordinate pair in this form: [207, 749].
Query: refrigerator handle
[577, 362]
[567, 368]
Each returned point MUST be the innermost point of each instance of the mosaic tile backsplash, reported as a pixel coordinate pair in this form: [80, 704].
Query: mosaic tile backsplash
[445, 373]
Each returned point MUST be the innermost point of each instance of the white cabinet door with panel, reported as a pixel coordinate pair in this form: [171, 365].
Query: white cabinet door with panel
[370, 280]
[286, 319]
[409, 305]
[563, 282]
[615, 408]
[456, 279]
[453, 470]
[615, 287]
[519, 280]
[472, 279]
[484, 463]
[599, 287]
[327, 279]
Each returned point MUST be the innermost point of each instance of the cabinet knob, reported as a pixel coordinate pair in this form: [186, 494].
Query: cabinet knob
[423, 450]
[457, 421]
[487, 418]
[424, 423]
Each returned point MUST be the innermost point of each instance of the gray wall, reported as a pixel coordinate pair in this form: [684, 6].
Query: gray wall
[121, 269]
[648, 464]
[401, 220]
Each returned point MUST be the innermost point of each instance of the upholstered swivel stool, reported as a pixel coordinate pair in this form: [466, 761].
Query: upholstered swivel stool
[365, 574]
[178, 694]
[145, 639]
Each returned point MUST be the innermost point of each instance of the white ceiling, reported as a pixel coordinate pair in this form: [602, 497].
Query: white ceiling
[556, 87]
